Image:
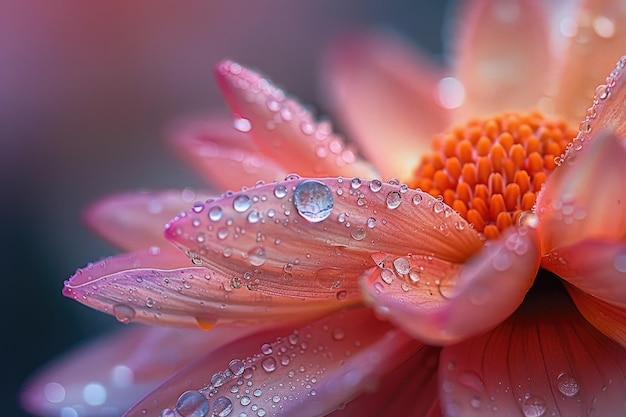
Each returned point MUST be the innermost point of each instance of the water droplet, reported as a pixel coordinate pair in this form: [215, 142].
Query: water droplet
[215, 213]
[222, 407]
[393, 199]
[402, 265]
[342, 295]
[192, 404]
[280, 191]
[528, 219]
[222, 233]
[149, 302]
[339, 333]
[417, 199]
[330, 278]
[414, 275]
[376, 185]
[269, 364]
[533, 406]
[266, 349]
[358, 233]
[236, 366]
[245, 400]
[313, 200]
[502, 261]
[257, 256]
[568, 386]
[355, 183]
[254, 216]
[124, 313]
[242, 203]
[242, 124]
[620, 262]
[387, 275]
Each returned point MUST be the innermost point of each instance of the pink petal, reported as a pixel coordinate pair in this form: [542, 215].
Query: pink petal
[597, 268]
[309, 371]
[503, 58]
[386, 96]
[609, 318]
[441, 302]
[544, 361]
[312, 239]
[284, 130]
[135, 220]
[226, 157]
[155, 287]
[107, 376]
[410, 390]
[584, 198]
[597, 35]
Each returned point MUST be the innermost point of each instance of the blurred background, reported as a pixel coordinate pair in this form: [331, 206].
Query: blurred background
[87, 92]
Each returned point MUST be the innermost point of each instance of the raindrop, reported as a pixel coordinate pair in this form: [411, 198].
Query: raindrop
[257, 256]
[358, 233]
[280, 191]
[620, 262]
[192, 404]
[124, 313]
[242, 124]
[387, 275]
[149, 302]
[414, 275]
[533, 406]
[402, 265]
[393, 199]
[215, 213]
[339, 333]
[222, 233]
[242, 203]
[236, 366]
[222, 407]
[245, 400]
[528, 219]
[568, 386]
[254, 216]
[269, 364]
[313, 200]
[355, 183]
[376, 185]
[266, 349]
[417, 199]
[371, 223]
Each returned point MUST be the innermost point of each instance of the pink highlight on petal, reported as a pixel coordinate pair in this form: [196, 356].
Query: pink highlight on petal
[440, 302]
[156, 287]
[312, 238]
[311, 370]
[134, 221]
[546, 360]
[283, 129]
[225, 156]
[386, 97]
[584, 198]
[503, 57]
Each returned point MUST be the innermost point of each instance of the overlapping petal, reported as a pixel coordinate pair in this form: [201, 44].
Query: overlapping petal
[545, 360]
[226, 157]
[309, 371]
[442, 303]
[284, 130]
[260, 232]
[134, 221]
[155, 286]
[107, 376]
[386, 97]
[503, 56]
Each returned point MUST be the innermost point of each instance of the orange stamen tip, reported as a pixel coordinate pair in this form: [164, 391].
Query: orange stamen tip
[490, 170]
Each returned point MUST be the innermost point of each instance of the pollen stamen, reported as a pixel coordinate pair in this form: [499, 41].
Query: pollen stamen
[491, 170]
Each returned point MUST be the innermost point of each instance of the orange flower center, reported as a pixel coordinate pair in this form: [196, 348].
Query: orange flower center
[490, 170]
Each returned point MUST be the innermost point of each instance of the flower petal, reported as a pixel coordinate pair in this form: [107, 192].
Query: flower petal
[309, 371]
[107, 376]
[546, 360]
[503, 57]
[584, 198]
[153, 287]
[385, 95]
[595, 267]
[283, 129]
[609, 318]
[309, 239]
[597, 34]
[135, 220]
[441, 302]
[410, 389]
[226, 157]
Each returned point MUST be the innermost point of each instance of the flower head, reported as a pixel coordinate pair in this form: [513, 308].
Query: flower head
[333, 292]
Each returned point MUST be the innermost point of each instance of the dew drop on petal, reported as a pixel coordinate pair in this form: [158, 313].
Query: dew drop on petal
[313, 200]
[376, 185]
[533, 406]
[567, 385]
[620, 262]
[215, 213]
[242, 124]
[222, 407]
[358, 233]
[269, 364]
[266, 349]
[280, 191]
[192, 404]
[124, 313]
[393, 200]
[257, 256]
[236, 366]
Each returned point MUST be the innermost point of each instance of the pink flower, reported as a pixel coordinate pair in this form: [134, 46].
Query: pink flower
[328, 293]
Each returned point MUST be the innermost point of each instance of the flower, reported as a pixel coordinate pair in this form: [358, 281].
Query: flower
[294, 276]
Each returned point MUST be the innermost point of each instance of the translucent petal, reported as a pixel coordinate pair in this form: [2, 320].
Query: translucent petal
[307, 238]
[157, 288]
[309, 371]
[135, 220]
[386, 97]
[107, 376]
[546, 360]
[503, 58]
[441, 302]
[225, 156]
[596, 35]
[584, 198]
[284, 130]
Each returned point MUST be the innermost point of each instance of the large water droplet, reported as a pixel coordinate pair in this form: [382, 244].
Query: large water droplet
[313, 200]
[568, 386]
[124, 313]
[257, 256]
[376, 185]
[533, 406]
[358, 233]
[236, 366]
[269, 364]
[393, 199]
[222, 407]
[241, 203]
[215, 213]
[242, 124]
[192, 404]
